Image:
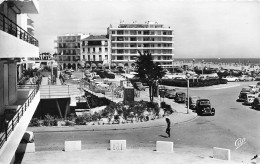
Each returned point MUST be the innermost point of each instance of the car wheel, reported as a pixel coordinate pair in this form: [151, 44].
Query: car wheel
[213, 112]
[236, 80]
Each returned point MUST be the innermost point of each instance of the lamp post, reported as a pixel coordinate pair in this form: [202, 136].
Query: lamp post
[188, 85]
[193, 60]
[202, 66]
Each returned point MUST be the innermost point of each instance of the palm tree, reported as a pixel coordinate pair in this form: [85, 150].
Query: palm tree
[149, 72]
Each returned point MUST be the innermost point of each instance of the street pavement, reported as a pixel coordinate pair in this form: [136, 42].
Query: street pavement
[193, 141]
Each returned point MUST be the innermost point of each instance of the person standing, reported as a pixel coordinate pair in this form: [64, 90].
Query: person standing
[168, 128]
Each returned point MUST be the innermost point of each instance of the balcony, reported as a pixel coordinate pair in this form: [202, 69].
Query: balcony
[15, 41]
[26, 6]
[17, 121]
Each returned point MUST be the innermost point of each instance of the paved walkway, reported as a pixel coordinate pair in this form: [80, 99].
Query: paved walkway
[129, 156]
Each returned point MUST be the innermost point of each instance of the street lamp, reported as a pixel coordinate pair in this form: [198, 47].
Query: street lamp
[202, 66]
[188, 85]
[193, 60]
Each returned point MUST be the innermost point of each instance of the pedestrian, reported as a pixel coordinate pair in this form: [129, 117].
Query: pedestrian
[168, 128]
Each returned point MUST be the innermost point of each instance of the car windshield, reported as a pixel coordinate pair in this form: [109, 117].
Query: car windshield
[245, 89]
[204, 103]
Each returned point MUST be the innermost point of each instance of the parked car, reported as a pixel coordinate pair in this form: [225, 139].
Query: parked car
[258, 85]
[170, 93]
[246, 78]
[192, 102]
[180, 97]
[249, 99]
[243, 93]
[256, 103]
[257, 78]
[140, 86]
[254, 89]
[231, 78]
[203, 106]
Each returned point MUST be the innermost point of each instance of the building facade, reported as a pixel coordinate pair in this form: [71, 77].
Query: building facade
[69, 50]
[16, 43]
[126, 39]
[95, 49]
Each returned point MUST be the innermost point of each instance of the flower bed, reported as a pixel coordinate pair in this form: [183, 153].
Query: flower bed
[114, 113]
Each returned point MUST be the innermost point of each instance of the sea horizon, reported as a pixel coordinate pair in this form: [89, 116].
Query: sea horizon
[222, 60]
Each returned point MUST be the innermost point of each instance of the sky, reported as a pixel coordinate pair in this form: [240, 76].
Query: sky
[202, 28]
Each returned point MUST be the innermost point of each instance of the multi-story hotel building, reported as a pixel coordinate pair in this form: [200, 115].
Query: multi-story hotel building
[95, 49]
[17, 105]
[151, 37]
[69, 50]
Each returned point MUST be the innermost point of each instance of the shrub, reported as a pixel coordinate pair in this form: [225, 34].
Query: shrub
[34, 122]
[96, 116]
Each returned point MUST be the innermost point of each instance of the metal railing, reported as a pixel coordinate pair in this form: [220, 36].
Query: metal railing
[9, 125]
[12, 28]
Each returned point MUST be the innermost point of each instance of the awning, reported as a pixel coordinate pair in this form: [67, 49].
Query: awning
[120, 65]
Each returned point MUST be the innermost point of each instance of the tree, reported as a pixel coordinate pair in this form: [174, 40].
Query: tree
[149, 72]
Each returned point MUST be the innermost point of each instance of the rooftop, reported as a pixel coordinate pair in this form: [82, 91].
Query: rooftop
[96, 37]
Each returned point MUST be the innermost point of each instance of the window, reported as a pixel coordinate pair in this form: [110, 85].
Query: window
[106, 57]
[100, 58]
[105, 49]
[99, 49]
[133, 39]
[83, 49]
[120, 58]
[120, 51]
[113, 32]
[94, 50]
[139, 32]
[88, 50]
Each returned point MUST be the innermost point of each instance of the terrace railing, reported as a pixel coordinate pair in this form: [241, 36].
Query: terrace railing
[9, 125]
[12, 28]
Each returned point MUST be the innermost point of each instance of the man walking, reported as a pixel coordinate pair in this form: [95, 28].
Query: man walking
[168, 129]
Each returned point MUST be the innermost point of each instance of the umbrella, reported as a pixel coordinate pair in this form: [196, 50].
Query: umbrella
[87, 65]
[120, 65]
[106, 65]
[113, 65]
[93, 65]
[99, 65]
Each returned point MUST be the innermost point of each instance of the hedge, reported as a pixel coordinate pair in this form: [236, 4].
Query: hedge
[183, 83]
[199, 83]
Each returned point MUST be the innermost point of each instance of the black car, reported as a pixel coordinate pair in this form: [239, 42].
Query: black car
[256, 103]
[203, 106]
[180, 97]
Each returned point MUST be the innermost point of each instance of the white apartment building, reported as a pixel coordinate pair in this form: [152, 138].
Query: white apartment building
[69, 50]
[126, 39]
[95, 49]
[17, 105]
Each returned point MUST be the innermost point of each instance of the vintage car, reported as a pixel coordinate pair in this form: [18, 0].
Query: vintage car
[192, 102]
[254, 88]
[246, 78]
[256, 103]
[140, 86]
[243, 93]
[249, 99]
[180, 97]
[258, 86]
[203, 106]
[170, 93]
[231, 78]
